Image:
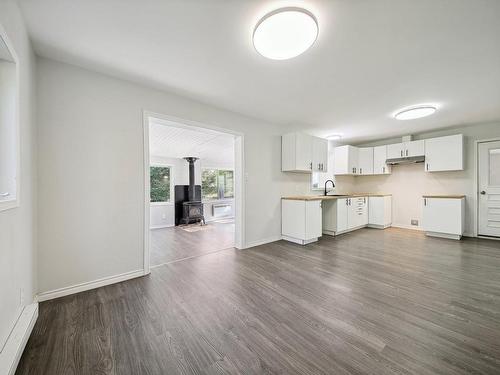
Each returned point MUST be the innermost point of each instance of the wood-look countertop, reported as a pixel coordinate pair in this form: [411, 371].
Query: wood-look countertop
[332, 197]
[444, 196]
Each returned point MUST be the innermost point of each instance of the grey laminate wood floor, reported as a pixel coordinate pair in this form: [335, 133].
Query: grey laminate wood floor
[172, 244]
[368, 302]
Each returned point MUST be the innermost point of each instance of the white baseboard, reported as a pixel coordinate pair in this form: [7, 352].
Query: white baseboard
[14, 347]
[413, 227]
[404, 226]
[161, 226]
[262, 242]
[444, 235]
[61, 292]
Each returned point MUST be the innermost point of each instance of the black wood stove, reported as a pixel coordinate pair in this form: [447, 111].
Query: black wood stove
[188, 207]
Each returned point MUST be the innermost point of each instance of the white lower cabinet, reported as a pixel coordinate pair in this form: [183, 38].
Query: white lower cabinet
[305, 220]
[380, 212]
[358, 213]
[443, 216]
[301, 220]
[344, 214]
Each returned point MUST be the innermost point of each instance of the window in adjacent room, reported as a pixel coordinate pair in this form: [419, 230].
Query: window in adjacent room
[226, 184]
[217, 184]
[9, 132]
[160, 178]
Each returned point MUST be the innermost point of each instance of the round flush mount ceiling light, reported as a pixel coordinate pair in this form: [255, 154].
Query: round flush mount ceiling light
[285, 33]
[415, 112]
[334, 137]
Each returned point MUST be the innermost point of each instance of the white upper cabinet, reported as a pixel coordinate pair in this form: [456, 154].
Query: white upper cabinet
[441, 154]
[320, 154]
[406, 149]
[345, 160]
[414, 148]
[379, 158]
[395, 151]
[444, 153]
[303, 153]
[365, 161]
[303, 156]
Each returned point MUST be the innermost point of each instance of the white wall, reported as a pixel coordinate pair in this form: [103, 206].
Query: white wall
[17, 233]
[91, 172]
[408, 183]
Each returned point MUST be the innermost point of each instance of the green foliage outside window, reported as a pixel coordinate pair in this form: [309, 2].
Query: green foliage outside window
[160, 184]
[217, 184]
[209, 190]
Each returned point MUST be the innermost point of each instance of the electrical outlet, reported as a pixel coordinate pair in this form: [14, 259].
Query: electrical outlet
[414, 222]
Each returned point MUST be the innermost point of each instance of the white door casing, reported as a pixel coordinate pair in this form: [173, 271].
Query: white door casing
[489, 188]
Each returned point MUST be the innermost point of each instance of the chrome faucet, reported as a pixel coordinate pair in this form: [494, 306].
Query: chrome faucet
[333, 185]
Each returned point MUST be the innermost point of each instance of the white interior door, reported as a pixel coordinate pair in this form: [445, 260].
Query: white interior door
[489, 189]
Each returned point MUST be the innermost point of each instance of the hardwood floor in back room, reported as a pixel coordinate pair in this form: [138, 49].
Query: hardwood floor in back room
[367, 302]
[173, 244]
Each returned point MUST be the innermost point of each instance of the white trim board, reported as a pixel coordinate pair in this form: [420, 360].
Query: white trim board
[61, 292]
[161, 227]
[16, 202]
[14, 347]
[263, 242]
[404, 226]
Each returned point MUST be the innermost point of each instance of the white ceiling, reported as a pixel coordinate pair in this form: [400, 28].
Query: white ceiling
[213, 148]
[371, 58]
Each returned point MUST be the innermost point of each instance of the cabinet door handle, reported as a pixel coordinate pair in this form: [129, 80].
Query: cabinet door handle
[311, 165]
[347, 202]
[383, 169]
[360, 170]
[425, 202]
[3, 195]
[427, 167]
[401, 152]
[406, 152]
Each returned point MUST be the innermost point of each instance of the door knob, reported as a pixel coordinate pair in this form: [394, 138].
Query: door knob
[482, 192]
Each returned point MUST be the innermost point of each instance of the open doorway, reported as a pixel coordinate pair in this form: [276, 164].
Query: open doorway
[193, 190]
